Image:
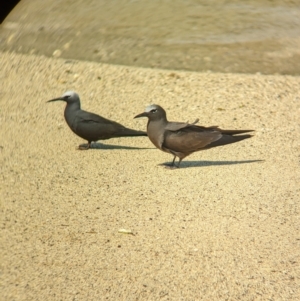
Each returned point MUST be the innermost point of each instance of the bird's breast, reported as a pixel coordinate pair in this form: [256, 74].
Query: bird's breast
[70, 119]
[155, 134]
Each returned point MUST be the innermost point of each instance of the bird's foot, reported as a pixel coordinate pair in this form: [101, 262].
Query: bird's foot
[169, 165]
[83, 147]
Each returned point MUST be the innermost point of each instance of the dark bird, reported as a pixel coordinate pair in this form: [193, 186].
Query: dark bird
[182, 139]
[90, 126]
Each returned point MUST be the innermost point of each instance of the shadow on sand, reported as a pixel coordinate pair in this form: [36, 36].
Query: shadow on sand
[188, 164]
[97, 145]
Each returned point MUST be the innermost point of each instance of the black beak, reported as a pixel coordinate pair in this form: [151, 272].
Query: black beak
[144, 114]
[56, 99]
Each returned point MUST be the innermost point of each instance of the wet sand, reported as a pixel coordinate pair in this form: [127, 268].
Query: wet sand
[225, 226]
[193, 35]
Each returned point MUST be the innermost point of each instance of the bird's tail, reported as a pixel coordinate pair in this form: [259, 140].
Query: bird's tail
[228, 139]
[131, 133]
[234, 132]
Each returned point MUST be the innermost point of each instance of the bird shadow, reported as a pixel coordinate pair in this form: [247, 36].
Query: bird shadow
[97, 146]
[188, 164]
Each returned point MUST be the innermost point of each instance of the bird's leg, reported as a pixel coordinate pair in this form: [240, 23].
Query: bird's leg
[172, 165]
[82, 147]
[180, 159]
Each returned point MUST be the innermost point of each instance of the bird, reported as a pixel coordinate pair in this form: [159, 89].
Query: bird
[90, 126]
[181, 139]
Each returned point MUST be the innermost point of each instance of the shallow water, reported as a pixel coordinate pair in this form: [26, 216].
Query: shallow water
[221, 36]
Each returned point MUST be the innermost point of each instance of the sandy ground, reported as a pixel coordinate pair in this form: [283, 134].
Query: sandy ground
[225, 226]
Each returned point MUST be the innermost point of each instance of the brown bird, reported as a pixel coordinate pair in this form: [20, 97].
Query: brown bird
[90, 126]
[182, 139]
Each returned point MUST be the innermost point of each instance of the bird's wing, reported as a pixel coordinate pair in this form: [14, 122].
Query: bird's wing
[189, 139]
[227, 132]
[196, 121]
[176, 126]
[87, 117]
[94, 127]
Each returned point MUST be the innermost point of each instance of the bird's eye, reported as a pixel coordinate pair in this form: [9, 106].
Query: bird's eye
[153, 111]
[67, 96]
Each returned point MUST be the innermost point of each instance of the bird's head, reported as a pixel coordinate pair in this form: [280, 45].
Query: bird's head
[153, 112]
[69, 97]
